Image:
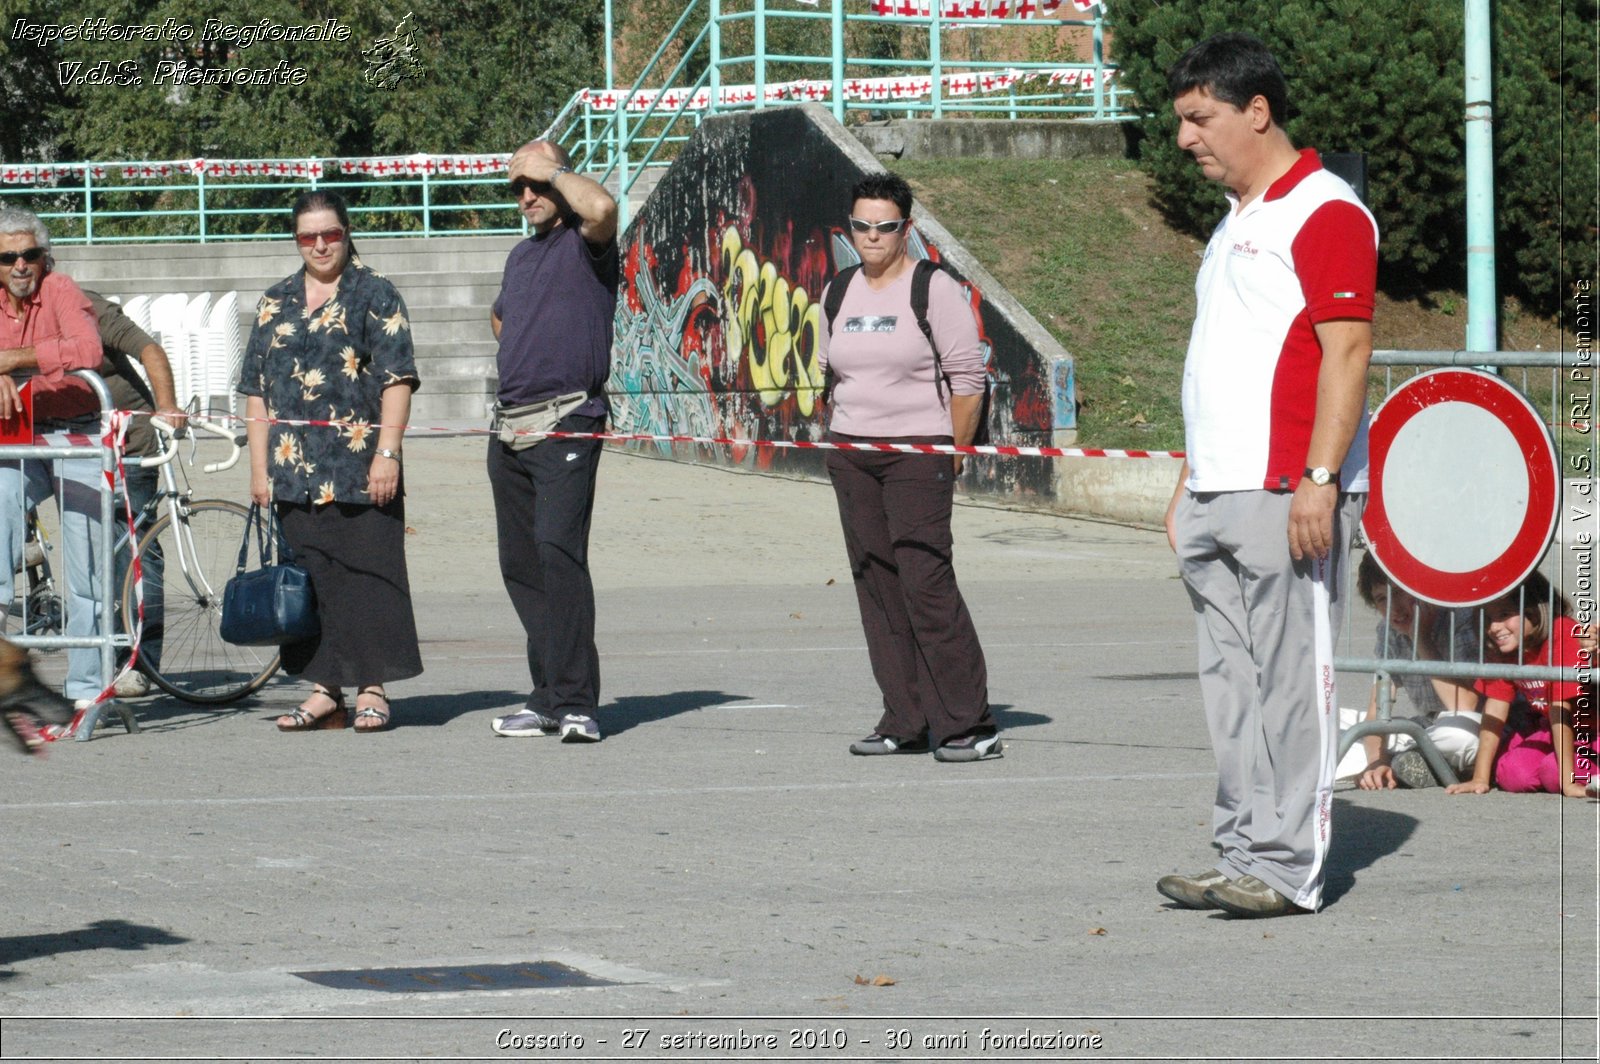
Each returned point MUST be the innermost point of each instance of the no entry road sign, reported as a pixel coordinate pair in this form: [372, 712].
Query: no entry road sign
[1466, 487]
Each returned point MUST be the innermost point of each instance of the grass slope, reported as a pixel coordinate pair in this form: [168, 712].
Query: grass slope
[1078, 243]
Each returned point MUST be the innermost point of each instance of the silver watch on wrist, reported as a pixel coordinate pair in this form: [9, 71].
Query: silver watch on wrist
[384, 452]
[1321, 476]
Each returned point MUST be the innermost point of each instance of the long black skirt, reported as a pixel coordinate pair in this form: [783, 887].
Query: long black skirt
[356, 556]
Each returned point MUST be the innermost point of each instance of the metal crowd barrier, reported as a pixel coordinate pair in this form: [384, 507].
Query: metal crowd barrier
[108, 641]
[1565, 368]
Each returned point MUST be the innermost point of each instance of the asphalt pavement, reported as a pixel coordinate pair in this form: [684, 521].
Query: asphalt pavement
[719, 879]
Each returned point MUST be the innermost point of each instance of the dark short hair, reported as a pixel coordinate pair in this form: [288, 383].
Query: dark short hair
[1234, 68]
[322, 199]
[1370, 579]
[884, 186]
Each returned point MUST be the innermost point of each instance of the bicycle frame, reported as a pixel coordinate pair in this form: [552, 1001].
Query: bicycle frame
[177, 501]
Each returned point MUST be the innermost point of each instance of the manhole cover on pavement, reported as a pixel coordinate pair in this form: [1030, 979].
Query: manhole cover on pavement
[536, 975]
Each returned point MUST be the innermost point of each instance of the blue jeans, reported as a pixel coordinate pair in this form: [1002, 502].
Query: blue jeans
[26, 484]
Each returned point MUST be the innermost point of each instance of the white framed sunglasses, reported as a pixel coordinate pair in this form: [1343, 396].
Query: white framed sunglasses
[893, 225]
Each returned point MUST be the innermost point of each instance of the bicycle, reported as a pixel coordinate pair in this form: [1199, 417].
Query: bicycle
[181, 649]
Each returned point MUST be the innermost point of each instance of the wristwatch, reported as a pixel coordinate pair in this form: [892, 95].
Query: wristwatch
[1319, 476]
[561, 170]
[384, 452]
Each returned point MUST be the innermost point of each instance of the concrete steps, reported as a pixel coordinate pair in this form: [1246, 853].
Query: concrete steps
[449, 285]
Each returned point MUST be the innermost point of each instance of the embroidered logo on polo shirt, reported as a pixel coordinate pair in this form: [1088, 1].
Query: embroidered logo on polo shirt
[1344, 295]
[1246, 248]
[871, 323]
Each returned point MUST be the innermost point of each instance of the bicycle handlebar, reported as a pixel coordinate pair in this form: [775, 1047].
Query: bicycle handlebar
[169, 449]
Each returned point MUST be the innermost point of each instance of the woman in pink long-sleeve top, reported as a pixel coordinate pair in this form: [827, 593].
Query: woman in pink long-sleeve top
[895, 508]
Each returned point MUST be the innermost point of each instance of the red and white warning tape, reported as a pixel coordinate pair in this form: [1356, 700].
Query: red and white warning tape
[1004, 450]
[115, 434]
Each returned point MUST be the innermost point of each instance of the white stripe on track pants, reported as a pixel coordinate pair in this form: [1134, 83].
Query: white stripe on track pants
[1266, 628]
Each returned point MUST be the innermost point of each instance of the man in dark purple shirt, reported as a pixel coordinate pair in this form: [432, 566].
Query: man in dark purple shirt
[553, 320]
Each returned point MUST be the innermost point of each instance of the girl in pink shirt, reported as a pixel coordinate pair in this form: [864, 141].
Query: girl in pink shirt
[1555, 755]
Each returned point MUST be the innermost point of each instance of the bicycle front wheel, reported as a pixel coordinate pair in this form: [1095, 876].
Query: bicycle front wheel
[188, 556]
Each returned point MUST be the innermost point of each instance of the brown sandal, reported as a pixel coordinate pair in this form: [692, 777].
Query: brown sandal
[305, 719]
[372, 713]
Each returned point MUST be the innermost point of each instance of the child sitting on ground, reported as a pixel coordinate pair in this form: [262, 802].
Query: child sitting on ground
[1417, 631]
[1544, 756]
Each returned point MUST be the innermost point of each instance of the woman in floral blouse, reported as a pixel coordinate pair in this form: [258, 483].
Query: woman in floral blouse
[332, 344]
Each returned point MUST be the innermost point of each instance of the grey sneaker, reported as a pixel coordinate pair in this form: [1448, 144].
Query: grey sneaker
[1249, 897]
[577, 728]
[876, 744]
[133, 684]
[1190, 891]
[524, 722]
[1411, 769]
[971, 748]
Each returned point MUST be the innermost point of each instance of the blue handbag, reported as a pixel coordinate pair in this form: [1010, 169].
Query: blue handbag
[274, 604]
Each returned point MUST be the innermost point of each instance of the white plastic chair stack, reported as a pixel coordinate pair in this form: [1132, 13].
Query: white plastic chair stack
[224, 349]
[137, 308]
[194, 328]
[166, 323]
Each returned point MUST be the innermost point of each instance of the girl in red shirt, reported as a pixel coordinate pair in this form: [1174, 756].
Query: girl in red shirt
[1556, 754]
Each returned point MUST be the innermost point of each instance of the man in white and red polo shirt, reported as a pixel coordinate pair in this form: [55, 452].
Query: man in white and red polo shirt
[1274, 410]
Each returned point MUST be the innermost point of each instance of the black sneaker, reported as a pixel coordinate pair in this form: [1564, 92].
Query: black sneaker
[971, 748]
[875, 744]
[579, 728]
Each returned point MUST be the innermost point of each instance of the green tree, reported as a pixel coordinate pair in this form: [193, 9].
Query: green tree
[1385, 77]
[489, 73]
[1545, 147]
[483, 75]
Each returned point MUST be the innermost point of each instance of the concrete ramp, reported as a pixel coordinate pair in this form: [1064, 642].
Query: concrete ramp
[716, 327]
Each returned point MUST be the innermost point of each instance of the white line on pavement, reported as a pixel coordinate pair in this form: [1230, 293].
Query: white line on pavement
[589, 796]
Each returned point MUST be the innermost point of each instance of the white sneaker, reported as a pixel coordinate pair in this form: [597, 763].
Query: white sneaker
[134, 684]
[524, 722]
[578, 728]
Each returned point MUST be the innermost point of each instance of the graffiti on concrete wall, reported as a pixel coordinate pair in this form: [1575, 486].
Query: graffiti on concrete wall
[723, 275]
[661, 366]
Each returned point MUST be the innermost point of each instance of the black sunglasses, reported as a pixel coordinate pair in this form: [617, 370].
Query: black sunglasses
[9, 258]
[893, 225]
[523, 184]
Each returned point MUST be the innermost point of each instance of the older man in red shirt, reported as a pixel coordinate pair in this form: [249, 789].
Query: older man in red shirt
[47, 330]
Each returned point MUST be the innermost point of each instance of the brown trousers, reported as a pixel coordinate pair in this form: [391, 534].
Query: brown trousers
[924, 650]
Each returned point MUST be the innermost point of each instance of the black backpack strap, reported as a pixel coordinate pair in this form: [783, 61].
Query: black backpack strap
[830, 310]
[921, 277]
[836, 290]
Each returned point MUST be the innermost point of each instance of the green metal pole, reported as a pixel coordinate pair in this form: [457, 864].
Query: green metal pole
[201, 185]
[622, 166]
[936, 56]
[1099, 62]
[761, 53]
[836, 24]
[427, 207]
[1482, 305]
[88, 203]
[611, 80]
[714, 16]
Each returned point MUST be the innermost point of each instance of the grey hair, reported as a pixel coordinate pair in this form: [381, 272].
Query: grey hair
[17, 220]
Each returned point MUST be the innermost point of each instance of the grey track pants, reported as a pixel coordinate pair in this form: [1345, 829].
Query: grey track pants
[1266, 627]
